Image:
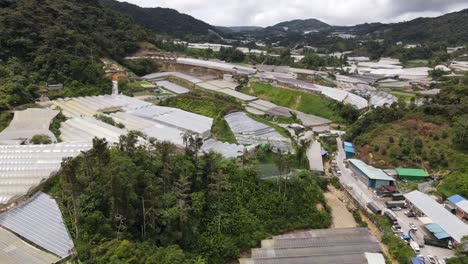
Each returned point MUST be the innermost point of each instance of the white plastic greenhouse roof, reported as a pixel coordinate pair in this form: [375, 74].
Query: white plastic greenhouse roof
[177, 89]
[91, 105]
[237, 95]
[26, 166]
[223, 84]
[314, 154]
[179, 75]
[29, 122]
[249, 131]
[226, 149]
[13, 250]
[215, 65]
[39, 220]
[87, 128]
[176, 118]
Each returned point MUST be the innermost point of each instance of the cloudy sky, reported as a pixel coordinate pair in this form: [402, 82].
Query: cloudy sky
[335, 12]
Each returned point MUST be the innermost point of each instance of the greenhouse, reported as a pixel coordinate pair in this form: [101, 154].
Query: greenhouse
[23, 167]
[28, 123]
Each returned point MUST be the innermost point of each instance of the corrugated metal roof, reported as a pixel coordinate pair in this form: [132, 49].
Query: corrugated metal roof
[456, 198]
[437, 231]
[370, 172]
[409, 172]
[438, 214]
[374, 258]
[39, 220]
[13, 250]
[463, 205]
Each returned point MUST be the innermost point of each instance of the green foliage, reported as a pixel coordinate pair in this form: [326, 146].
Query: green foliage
[51, 42]
[142, 66]
[231, 55]
[55, 125]
[5, 119]
[109, 120]
[40, 139]
[460, 128]
[154, 196]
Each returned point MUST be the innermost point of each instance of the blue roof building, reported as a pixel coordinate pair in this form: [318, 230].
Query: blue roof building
[456, 198]
[372, 177]
[349, 149]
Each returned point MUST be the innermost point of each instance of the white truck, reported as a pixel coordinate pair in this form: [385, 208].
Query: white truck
[415, 246]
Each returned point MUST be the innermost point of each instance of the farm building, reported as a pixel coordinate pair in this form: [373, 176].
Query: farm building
[339, 245]
[372, 177]
[459, 205]
[349, 149]
[411, 174]
[314, 154]
[445, 226]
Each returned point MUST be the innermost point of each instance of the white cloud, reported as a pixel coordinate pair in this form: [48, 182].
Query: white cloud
[334, 12]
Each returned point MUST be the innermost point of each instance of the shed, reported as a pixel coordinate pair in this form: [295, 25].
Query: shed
[456, 198]
[437, 231]
[411, 174]
[372, 177]
[349, 149]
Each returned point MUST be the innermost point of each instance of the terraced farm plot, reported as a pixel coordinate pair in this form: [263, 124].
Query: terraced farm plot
[302, 101]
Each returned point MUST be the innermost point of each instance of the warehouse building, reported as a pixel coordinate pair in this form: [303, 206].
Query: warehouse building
[445, 226]
[412, 174]
[372, 177]
[458, 205]
[349, 149]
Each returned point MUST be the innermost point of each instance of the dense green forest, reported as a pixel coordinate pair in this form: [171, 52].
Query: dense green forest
[163, 20]
[58, 41]
[154, 204]
[433, 135]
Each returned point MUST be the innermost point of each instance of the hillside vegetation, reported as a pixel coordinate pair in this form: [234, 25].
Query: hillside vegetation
[433, 136]
[162, 20]
[58, 41]
[152, 204]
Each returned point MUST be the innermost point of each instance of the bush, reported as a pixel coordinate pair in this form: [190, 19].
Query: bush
[41, 139]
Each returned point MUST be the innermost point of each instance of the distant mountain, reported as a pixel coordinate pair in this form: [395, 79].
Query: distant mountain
[302, 25]
[162, 20]
[244, 28]
[451, 28]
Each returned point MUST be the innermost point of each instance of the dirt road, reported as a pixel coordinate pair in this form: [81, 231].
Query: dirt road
[341, 216]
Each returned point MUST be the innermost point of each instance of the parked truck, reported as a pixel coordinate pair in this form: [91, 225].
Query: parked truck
[417, 237]
[393, 204]
[374, 208]
[415, 247]
[398, 197]
[391, 216]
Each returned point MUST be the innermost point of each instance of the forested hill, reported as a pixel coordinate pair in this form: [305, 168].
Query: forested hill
[59, 41]
[163, 20]
[452, 28]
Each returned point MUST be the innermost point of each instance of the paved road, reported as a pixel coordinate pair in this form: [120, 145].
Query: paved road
[359, 190]
[364, 195]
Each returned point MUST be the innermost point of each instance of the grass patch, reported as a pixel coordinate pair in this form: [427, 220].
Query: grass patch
[416, 63]
[211, 105]
[302, 101]
[405, 96]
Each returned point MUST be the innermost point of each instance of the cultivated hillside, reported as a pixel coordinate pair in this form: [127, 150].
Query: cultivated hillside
[162, 20]
[302, 25]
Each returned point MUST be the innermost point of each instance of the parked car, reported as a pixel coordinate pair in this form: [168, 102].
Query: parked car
[338, 172]
[396, 209]
[413, 226]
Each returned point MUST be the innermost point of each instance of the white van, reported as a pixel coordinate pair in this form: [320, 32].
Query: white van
[415, 246]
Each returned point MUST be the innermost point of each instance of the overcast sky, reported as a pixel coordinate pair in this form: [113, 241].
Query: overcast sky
[334, 12]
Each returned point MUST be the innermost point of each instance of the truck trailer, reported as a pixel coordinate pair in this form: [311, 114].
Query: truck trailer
[393, 204]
